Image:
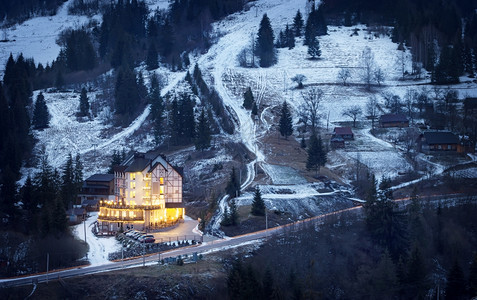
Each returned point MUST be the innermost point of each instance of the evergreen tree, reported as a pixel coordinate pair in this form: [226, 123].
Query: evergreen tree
[157, 109]
[416, 274]
[68, 187]
[314, 48]
[115, 161]
[473, 276]
[248, 99]
[233, 186]
[58, 218]
[298, 24]
[226, 220]
[258, 205]
[290, 38]
[286, 121]
[265, 46]
[455, 288]
[203, 132]
[152, 61]
[127, 98]
[233, 212]
[78, 175]
[315, 25]
[41, 116]
[84, 103]
[316, 154]
[79, 51]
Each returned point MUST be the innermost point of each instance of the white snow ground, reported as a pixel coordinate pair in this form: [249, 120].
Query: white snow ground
[99, 247]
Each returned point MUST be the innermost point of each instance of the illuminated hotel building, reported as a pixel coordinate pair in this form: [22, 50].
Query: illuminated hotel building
[148, 195]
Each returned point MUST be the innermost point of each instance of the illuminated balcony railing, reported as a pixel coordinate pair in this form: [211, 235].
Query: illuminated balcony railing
[120, 219]
[129, 207]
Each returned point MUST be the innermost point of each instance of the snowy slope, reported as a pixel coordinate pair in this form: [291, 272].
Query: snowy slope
[36, 37]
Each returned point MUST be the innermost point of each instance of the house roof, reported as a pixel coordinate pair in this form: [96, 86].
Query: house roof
[138, 164]
[391, 118]
[90, 202]
[343, 131]
[440, 137]
[101, 177]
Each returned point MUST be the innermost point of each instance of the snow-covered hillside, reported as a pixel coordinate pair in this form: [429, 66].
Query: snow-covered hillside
[96, 139]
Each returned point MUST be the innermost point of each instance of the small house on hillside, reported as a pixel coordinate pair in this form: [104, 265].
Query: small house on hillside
[438, 141]
[343, 132]
[96, 188]
[393, 120]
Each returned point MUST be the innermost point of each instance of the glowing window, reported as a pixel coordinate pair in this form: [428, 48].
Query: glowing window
[161, 189]
[161, 180]
[132, 176]
[133, 194]
[133, 185]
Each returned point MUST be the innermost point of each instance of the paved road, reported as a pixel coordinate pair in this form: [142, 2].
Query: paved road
[205, 247]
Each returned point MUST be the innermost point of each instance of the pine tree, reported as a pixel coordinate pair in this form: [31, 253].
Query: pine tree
[314, 48]
[455, 288]
[473, 276]
[315, 25]
[157, 109]
[203, 132]
[286, 121]
[258, 205]
[248, 99]
[316, 154]
[152, 61]
[233, 212]
[78, 175]
[289, 38]
[265, 46]
[298, 24]
[416, 274]
[233, 186]
[41, 116]
[68, 187]
[303, 142]
[115, 161]
[84, 103]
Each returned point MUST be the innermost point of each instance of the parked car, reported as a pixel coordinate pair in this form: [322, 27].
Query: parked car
[149, 240]
[144, 237]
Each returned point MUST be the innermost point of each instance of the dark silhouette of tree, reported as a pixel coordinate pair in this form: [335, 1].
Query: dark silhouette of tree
[79, 51]
[248, 99]
[115, 161]
[233, 186]
[289, 38]
[84, 103]
[354, 112]
[314, 48]
[233, 212]
[286, 121]
[203, 132]
[152, 59]
[298, 24]
[473, 276]
[316, 155]
[41, 116]
[254, 108]
[265, 43]
[315, 25]
[456, 285]
[157, 109]
[68, 187]
[258, 205]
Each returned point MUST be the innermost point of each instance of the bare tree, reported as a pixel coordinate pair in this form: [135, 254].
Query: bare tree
[392, 102]
[353, 112]
[410, 102]
[343, 75]
[372, 109]
[311, 107]
[379, 75]
[401, 61]
[299, 79]
[367, 66]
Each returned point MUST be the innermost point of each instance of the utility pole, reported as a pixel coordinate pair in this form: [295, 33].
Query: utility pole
[266, 219]
[47, 265]
[84, 222]
[122, 255]
[143, 254]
